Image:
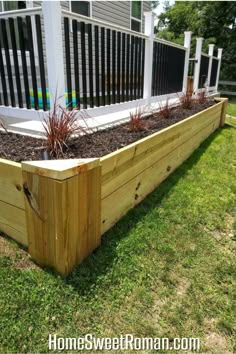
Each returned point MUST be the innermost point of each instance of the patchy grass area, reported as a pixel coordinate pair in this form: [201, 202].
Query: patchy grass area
[231, 109]
[167, 269]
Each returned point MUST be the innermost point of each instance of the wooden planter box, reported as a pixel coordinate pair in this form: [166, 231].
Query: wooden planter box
[60, 209]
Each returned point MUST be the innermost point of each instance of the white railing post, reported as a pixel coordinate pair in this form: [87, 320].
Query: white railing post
[187, 45]
[54, 51]
[210, 53]
[219, 56]
[149, 31]
[197, 64]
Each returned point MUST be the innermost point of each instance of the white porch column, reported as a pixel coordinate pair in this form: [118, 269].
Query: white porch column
[210, 53]
[149, 31]
[54, 51]
[219, 56]
[197, 64]
[187, 45]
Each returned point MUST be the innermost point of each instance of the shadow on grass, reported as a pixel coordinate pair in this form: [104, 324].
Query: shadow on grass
[87, 274]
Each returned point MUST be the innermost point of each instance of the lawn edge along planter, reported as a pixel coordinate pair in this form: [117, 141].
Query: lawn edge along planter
[59, 209]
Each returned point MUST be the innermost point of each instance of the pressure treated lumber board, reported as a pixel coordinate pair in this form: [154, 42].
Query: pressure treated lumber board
[132, 192]
[127, 163]
[63, 218]
[60, 169]
[13, 222]
[11, 186]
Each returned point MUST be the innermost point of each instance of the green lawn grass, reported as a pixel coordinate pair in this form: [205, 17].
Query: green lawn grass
[231, 109]
[167, 269]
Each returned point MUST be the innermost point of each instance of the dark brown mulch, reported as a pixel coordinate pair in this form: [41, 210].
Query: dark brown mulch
[22, 148]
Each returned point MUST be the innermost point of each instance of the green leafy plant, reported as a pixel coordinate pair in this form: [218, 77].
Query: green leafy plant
[136, 120]
[59, 126]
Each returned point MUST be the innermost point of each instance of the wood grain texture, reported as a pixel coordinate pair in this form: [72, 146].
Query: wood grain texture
[223, 111]
[63, 218]
[11, 183]
[59, 169]
[13, 223]
[128, 163]
[151, 160]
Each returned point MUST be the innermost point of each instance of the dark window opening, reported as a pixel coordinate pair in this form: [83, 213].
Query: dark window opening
[135, 25]
[81, 7]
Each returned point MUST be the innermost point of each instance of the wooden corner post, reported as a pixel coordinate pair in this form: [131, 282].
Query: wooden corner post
[223, 112]
[63, 207]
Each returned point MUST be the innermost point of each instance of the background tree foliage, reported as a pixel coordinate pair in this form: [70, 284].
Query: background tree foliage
[215, 21]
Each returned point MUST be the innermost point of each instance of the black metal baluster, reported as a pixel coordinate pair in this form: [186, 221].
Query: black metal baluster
[108, 66]
[90, 52]
[139, 67]
[97, 65]
[76, 62]
[16, 63]
[127, 67]
[143, 63]
[132, 69]
[8, 61]
[103, 65]
[158, 70]
[32, 62]
[84, 66]
[161, 69]
[118, 66]
[41, 61]
[113, 66]
[135, 66]
[123, 66]
[154, 72]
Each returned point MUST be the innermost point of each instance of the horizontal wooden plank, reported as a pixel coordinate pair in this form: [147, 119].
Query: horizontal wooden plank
[229, 83]
[136, 189]
[131, 162]
[11, 183]
[140, 146]
[13, 223]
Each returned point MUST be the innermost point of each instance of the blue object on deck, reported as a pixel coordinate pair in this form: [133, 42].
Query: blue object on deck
[40, 98]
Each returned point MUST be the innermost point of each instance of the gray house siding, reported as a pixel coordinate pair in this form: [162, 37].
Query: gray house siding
[116, 12]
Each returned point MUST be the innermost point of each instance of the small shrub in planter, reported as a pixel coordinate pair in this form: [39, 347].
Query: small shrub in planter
[136, 120]
[186, 101]
[59, 126]
[201, 97]
[165, 109]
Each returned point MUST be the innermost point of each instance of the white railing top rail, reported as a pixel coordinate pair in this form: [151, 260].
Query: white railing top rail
[205, 55]
[107, 25]
[215, 57]
[19, 13]
[163, 41]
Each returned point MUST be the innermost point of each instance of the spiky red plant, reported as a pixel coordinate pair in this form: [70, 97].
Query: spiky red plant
[136, 120]
[3, 125]
[165, 109]
[186, 101]
[59, 126]
[201, 97]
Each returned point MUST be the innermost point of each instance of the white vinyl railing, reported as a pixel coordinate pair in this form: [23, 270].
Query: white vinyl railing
[52, 15]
